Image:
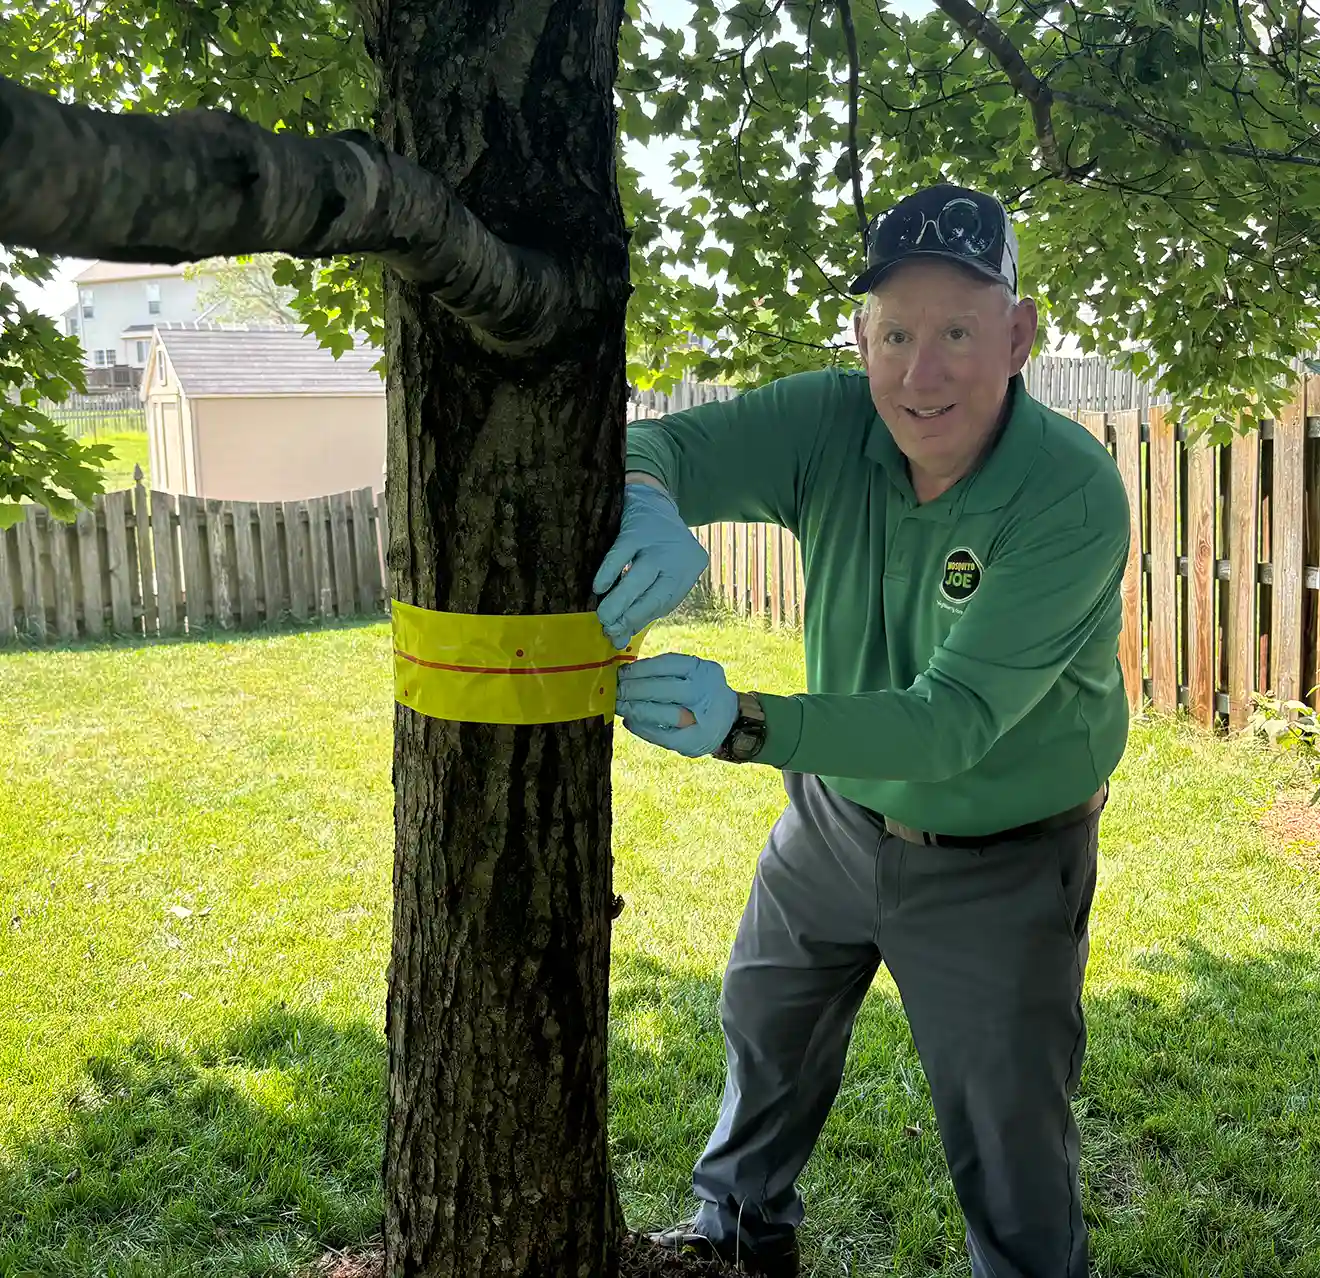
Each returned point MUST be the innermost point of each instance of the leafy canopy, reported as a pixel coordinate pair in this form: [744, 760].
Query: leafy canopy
[1163, 207]
[1180, 238]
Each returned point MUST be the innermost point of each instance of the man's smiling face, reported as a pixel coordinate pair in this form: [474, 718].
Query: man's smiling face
[940, 346]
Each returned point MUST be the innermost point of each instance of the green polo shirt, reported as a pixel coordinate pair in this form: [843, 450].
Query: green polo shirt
[962, 665]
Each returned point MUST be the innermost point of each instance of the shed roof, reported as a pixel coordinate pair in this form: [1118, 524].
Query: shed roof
[241, 359]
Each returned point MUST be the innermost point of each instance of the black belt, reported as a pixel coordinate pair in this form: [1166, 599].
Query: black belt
[1056, 822]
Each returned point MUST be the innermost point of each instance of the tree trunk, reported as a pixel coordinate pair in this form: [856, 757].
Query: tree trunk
[503, 491]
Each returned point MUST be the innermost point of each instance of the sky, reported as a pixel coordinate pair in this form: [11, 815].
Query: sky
[55, 297]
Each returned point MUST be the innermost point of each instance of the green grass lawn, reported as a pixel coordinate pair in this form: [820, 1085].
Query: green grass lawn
[130, 450]
[195, 868]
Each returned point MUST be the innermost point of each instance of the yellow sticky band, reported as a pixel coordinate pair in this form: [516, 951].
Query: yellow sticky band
[477, 668]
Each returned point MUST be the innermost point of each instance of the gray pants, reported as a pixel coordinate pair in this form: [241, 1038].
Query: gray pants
[988, 949]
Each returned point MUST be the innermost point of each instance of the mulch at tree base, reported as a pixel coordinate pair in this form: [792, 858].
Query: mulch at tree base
[640, 1258]
[368, 1263]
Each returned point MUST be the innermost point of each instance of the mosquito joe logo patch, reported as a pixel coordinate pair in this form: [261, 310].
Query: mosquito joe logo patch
[962, 575]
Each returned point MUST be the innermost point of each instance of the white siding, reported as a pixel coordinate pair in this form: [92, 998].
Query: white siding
[121, 304]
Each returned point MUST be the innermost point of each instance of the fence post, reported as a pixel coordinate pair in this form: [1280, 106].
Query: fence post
[1163, 563]
[145, 537]
[1244, 506]
[217, 550]
[7, 633]
[1289, 591]
[115, 506]
[61, 575]
[1202, 659]
[1127, 453]
[165, 560]
[366, 557]
[30, 574]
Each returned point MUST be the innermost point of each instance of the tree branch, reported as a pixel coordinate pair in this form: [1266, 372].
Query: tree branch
[1159, 131]
[850, 35]
[139, 187]
[992, 37]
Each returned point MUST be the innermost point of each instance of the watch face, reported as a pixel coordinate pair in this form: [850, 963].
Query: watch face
[747, 735]
[747, 738]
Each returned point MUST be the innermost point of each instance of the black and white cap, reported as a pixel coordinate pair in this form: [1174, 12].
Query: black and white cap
[947, 221]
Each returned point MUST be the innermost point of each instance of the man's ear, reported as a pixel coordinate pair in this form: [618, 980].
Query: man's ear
[1025, 323]
[859, 332]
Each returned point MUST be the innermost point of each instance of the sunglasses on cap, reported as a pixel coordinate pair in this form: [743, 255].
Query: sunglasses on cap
[942, 221]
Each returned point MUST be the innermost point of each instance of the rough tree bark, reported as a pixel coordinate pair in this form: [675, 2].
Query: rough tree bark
[506, 405]
[502, 494]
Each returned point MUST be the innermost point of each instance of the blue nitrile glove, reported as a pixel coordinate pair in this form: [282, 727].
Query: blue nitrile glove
[663, 559]
[654, 691]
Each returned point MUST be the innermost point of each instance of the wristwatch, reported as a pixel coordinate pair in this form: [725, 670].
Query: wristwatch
[747, 735]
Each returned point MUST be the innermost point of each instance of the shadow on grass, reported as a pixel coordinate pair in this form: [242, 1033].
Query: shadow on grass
[1200, 1114]
[250, 1155]
[254, 1154]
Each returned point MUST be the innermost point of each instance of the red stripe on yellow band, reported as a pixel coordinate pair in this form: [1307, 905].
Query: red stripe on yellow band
[621, 659]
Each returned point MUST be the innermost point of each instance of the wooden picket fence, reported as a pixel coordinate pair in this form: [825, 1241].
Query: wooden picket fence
[155, 564]
[93, 414]
[1087, 384]
[1221, 595]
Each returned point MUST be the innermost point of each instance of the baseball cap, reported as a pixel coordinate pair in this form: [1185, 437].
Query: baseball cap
[947, 221]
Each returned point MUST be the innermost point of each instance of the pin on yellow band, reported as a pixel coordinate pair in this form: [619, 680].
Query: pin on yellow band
[478, 668]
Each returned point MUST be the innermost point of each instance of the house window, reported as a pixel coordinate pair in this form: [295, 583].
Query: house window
[142, 352]
[87, 302]
[153, 299]
[99, 356]
[111, 357]
[71, 322]
[160, 367]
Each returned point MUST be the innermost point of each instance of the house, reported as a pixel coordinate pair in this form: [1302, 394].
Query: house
[119, 303]
[247, 413]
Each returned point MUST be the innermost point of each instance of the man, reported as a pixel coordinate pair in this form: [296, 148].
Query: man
[947, 768]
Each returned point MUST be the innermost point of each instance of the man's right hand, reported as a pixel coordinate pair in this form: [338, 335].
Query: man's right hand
[662, 560]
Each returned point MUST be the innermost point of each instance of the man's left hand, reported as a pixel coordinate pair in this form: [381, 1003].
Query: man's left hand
[682, 703]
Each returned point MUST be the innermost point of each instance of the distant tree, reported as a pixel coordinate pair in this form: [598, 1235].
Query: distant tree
[242, 290]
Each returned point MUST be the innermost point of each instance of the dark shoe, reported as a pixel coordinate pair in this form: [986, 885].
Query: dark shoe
[777, 1258]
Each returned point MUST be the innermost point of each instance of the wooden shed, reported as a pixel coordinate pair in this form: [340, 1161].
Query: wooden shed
[246, 413]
